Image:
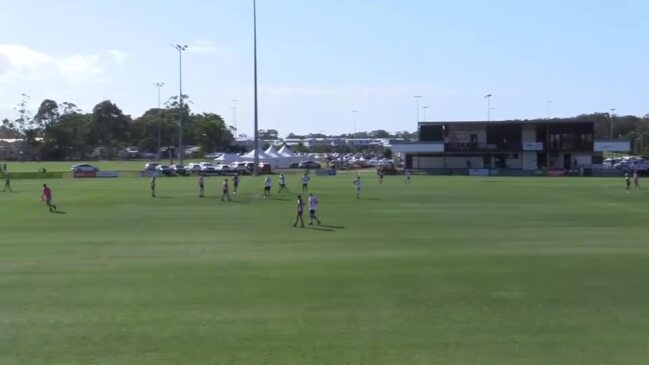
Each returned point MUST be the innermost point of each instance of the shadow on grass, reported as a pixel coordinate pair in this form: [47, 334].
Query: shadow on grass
[329, 226]
[281, 199]
[58, 212]
[320, 229]
[371, 199]
[163, 197]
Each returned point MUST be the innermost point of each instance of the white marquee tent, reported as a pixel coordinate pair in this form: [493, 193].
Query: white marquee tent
[227, 158]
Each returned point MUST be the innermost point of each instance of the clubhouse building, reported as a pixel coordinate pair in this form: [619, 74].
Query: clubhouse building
[506, 145]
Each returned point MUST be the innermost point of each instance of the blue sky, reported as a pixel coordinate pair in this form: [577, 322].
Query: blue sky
[320, 59]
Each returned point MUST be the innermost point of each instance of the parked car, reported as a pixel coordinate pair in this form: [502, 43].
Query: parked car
[193, 168]
[265, 168]
[179, 170]
[84, 167]
[207, 167]
[309, 165]
[164, 170]
[151, 166]
[223, 168]
[294, 165]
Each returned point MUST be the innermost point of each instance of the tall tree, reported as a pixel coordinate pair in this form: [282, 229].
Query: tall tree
[109, 127]
[47, 114]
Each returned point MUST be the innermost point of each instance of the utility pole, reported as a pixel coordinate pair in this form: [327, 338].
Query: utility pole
[159, 85]
[254, 22]
[417, 97]
[181, 152]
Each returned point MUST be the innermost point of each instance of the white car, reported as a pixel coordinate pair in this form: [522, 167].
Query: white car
[223, 167]
[84, 167]
[207, 167]
[193, 168]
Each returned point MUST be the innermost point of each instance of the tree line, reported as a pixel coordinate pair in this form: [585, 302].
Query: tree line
[64, 132]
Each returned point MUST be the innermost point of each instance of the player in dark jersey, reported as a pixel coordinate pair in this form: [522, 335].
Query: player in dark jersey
[300, 211]
[235, 182]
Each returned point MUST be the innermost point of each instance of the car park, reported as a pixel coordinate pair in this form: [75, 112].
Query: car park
[165, 170]
[193, 168]
[309, 165]
[151, 166]
[179, 170]
[207, 167]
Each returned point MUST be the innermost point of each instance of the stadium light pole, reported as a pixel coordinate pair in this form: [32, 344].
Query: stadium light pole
[181, 153]
[417, 97]
[425, 107]
[488, 97]
[159, 85]
[611, 114]
[642, 142]
[354, 112]
[549, 109]
[234, 116]
[254, 25]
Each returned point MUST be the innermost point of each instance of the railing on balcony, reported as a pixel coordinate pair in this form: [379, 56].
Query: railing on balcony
[482, 147]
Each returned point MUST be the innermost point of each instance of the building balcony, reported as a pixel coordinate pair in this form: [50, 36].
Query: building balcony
[482, 147]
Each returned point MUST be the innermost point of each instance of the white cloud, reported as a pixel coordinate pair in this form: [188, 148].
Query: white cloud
[21, 63]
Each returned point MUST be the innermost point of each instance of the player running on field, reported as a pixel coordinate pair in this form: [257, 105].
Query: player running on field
[282, 184]
[201, 186]
[357, 185]
[636, 180]
[235, 182]
[300, 211]
[408, 176]
[313, 207]
[305, 183]
[380, 176]
[627, 182]
[47, 197]
[153, 186]
[226, 191]
[7, 183]
[268, 183]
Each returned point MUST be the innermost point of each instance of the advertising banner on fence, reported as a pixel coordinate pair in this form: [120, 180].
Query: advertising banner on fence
[84, 174]
[149, 173]
[107, 174]
[479, 172]
[532, 146]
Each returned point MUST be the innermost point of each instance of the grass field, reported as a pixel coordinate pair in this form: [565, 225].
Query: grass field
[64, 166]
[449, 270]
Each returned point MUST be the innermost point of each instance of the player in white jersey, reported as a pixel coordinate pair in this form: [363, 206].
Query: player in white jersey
[636, 180]
[357, 185]
[408, 176]
[267, 185]
[305, 183]
[282, 184]
[313, 207]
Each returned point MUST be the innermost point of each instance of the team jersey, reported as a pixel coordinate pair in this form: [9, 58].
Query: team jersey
[628, 181]
[313, 203]
[305, 180]
[235, 179]
[47, 193]
[300, 205]
[357, 184]
[282, 180]
[200, 181]
[225, 186]
[268, 183]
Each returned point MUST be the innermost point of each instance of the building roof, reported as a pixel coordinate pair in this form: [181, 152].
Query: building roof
[526, 121]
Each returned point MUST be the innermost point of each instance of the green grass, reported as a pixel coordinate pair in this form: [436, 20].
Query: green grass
[449, 270]
[65, 166]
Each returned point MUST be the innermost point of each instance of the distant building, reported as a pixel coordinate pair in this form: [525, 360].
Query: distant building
[523, 145]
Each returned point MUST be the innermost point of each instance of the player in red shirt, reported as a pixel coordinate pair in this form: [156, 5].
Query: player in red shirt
[47, 197]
